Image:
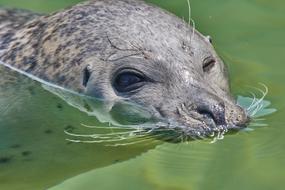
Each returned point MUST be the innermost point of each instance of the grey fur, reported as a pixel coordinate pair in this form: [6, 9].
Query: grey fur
[105, 35]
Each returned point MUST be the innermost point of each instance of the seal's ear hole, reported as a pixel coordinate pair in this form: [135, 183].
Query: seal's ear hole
[208, 64]
[86, 76]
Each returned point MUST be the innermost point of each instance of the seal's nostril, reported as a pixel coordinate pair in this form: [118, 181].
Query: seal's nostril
[216, 112]
[206, 113]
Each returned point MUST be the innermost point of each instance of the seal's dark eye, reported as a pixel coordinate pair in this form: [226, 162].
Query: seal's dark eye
[127, 81]
[208, 64]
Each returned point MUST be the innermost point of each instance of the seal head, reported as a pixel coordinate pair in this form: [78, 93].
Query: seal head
[132, 51]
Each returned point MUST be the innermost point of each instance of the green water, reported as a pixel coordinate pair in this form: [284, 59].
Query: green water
[34, 152]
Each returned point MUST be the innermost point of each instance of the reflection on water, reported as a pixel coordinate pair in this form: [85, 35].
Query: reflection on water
[34, 123]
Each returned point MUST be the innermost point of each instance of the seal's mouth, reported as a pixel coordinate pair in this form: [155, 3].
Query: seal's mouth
[202, 124]
[174, 132]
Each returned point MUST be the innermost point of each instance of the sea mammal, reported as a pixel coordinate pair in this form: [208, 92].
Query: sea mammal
[128, 50]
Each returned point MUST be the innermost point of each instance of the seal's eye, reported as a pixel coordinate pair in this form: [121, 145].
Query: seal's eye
[128, 80]
[208, 64]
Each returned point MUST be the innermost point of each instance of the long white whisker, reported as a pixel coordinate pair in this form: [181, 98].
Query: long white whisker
[259, 108]
[145, 138]
[253, 101]
[190, 20]
[259, 119]
[131, 143]
[99, 135]
[189, 12]
[256, 106]
[264, 93]
[258, 124]
[108, 140]
[102, 127]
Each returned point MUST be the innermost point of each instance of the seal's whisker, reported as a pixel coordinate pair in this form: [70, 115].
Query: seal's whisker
[190, 20]
[258, 124]
[131, 143]
[160, 130]
[99, 135]
[105, 140]
[214, 140]
[118, 48]
[102, 127]
[189, 12]
[255, 109]
[259, 119]
[253, 112]
[264, 93]
[94, 141]
[253, 101]
[219, 136]
[145, 138]
[258, 104]
[118, 135]
[87, 135]
[93, 136]
[260, 107]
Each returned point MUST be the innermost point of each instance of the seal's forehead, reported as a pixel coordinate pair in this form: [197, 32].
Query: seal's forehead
[136, 20]
[152, 26]
[132, 17]
[129, 24]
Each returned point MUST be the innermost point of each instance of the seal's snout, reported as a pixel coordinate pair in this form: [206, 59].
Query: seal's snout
[215, 112]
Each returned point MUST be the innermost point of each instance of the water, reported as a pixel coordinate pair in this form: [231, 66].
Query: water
[35, 152]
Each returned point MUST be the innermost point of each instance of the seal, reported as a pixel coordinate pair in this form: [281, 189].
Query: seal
[127, 50]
